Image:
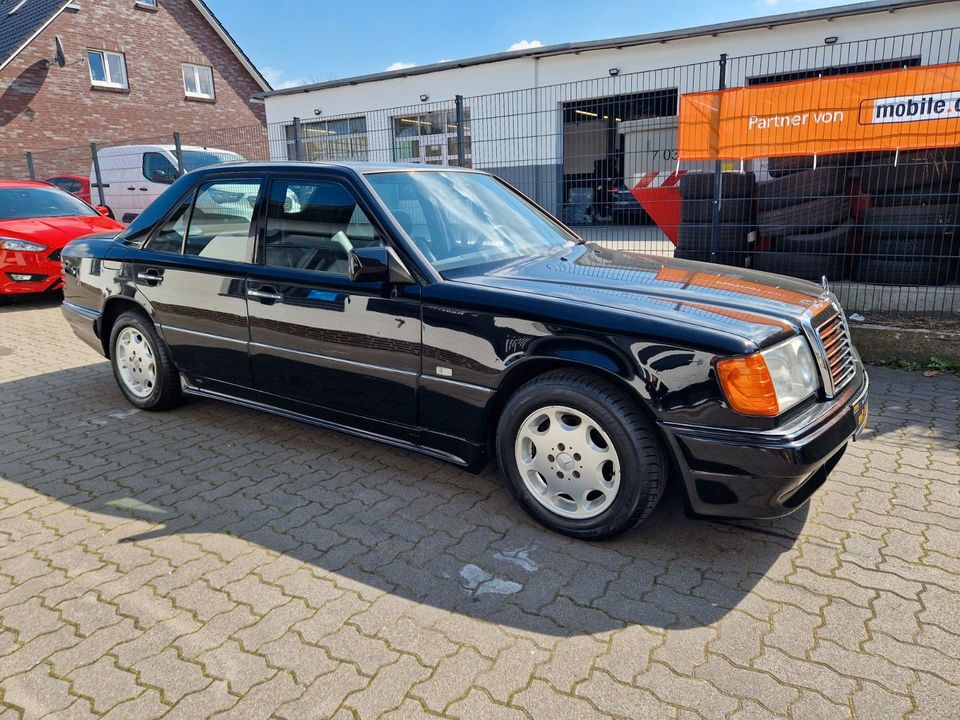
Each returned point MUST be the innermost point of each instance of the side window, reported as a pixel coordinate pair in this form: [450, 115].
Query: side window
[220, 223]
[158, 168]
[314, 225]
[169, 237]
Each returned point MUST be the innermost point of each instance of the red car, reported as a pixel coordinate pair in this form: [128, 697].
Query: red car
[75, 184]
[36, 221]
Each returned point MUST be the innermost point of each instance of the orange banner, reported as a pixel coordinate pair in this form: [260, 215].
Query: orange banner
[903, 109]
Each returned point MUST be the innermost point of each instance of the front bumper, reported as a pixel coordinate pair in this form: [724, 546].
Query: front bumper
[766, 474]
[42, 269]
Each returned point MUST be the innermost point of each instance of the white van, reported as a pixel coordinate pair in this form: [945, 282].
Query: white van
[133, 175]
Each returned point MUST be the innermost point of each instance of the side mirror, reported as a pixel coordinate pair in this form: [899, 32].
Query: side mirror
[378, 264]
[104, 210]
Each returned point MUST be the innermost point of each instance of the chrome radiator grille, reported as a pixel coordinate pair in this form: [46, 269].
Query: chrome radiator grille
[837, 352]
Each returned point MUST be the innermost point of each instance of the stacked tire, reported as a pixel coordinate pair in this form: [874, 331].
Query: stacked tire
[737, 217]
[911, 231]
[803, 219]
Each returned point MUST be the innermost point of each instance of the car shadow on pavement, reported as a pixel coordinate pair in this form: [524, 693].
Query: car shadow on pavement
[390, 519]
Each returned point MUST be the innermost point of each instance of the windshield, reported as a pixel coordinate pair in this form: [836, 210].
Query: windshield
[460, 219]
[196, 159]
[19, 203]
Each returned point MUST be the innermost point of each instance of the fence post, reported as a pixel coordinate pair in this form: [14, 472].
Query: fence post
[178, 151]
[30, 168]
[718, 175]
[96, 172]
[461, 145]
[297, 141]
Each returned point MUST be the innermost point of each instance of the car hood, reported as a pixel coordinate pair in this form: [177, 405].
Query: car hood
[758, 307]
[55, 232]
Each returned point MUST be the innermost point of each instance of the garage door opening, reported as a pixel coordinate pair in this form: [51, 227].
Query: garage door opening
[595, 189]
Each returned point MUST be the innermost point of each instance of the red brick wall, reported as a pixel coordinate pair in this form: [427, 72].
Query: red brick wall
[44, 107]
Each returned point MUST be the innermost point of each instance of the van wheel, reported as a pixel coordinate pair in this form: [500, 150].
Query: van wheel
[141, 363]
[580, 456]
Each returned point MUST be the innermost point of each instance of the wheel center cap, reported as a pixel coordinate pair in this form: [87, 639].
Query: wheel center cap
[566, 462]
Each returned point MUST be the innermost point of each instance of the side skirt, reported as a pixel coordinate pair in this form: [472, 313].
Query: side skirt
[189, 389]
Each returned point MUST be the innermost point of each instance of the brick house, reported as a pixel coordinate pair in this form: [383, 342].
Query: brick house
[133, 69]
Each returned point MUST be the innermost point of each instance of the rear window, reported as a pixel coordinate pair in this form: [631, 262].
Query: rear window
[29, 202]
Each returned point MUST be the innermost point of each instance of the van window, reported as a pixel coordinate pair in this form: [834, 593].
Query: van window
[158, 168]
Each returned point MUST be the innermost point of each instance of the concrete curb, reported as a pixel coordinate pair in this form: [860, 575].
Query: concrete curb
[881, 343]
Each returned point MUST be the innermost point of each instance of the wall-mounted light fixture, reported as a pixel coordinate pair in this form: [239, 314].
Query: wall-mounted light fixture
[614, 72]
[317, 111]
[424, 97]
[830, 40]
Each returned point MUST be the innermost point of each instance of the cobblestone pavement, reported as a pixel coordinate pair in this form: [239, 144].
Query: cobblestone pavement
[213, 561]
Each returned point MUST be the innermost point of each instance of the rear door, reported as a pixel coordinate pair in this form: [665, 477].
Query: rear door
[316, 337]
[193, 271]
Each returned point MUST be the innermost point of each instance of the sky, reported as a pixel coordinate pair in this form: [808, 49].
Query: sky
[294, 42]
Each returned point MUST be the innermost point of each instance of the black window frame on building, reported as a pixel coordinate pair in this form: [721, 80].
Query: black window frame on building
[344, 138]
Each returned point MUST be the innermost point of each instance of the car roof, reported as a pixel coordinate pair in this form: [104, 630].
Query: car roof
[130, 149]
[24, 184]
[361, 168]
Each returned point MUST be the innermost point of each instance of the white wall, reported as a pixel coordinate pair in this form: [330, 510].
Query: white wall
[525, 128]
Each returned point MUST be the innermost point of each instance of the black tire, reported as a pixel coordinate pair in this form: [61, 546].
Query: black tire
[915, 169]
[700, 185]
[829, 242]
[782, 166]
[946, 192]
[643, 465]
[737, 211]
[166, 389]
[801, 187]
[914, 221]
[813, 216]
[889, 271]
[807, 267]
[694, 242]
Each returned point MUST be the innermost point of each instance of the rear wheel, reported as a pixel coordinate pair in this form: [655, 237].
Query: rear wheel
[579, 455]
[142, 364]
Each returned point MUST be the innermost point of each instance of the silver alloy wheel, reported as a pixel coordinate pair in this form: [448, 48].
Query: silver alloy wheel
[136, 362]
[567, 462]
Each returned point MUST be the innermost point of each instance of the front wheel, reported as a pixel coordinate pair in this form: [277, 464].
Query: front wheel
[580, 456]
[142, 364]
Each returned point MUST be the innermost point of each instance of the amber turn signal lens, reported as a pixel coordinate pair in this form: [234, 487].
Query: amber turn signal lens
[747, 384]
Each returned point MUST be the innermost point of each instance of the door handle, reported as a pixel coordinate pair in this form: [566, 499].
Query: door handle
[143, 189]
[131, 189]
[267, 294]
[150, 276]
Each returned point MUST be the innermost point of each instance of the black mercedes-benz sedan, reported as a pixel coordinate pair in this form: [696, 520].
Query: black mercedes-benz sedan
[440, 310]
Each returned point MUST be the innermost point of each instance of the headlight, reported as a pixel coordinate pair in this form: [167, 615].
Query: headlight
[769, 382]
[21, 245]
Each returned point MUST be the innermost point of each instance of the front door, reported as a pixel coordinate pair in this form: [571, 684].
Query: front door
[193, 272]
[349, 350]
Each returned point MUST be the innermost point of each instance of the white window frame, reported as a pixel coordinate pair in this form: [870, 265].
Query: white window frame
[123, 83]
[196, 69]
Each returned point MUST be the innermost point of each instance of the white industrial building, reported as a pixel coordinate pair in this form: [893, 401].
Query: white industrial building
[550, 117]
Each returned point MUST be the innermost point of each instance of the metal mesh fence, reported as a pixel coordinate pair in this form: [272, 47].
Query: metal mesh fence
[602, 155]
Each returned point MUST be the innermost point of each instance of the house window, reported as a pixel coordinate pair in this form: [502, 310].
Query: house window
[198, 81]
[146, 3]
[107, 69]
[431, 138]
[340, 139]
